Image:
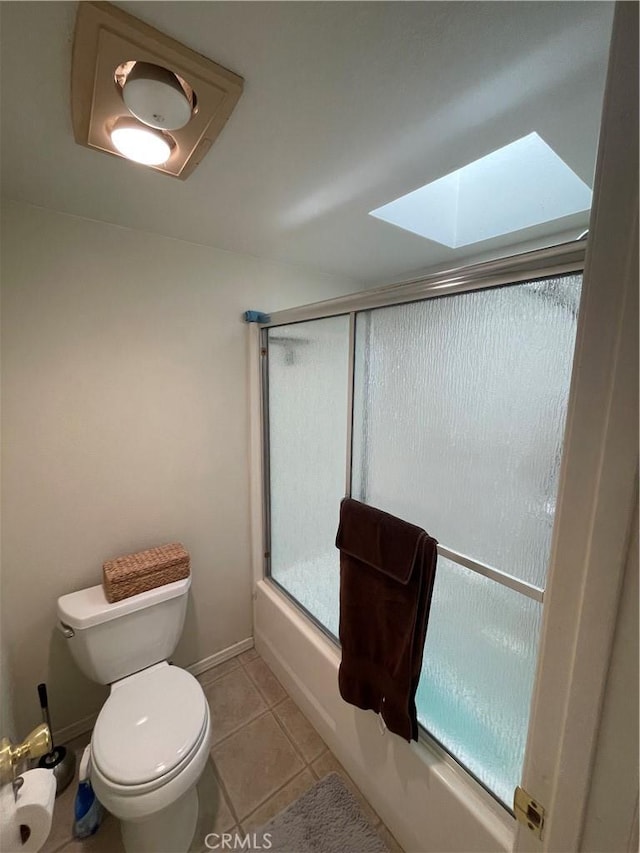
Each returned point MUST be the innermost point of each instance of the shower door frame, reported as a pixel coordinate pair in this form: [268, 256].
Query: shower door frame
[541, 264]
[556, 261]
[598, 492]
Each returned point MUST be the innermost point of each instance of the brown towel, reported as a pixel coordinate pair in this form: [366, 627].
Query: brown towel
[387, 571]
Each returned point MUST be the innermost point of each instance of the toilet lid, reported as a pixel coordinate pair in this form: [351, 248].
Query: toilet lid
[148, 725]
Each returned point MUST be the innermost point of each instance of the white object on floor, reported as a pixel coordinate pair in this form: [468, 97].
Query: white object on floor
[34, 807]
[171, 830]
[151, 740]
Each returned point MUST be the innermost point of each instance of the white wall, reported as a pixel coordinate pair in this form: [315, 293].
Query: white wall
[611, 821]
[7, 717]
[125, 425]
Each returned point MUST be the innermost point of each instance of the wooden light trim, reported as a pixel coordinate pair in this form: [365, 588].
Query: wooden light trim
[107, 37]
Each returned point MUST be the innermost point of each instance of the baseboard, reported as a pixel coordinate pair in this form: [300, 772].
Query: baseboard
[220, 657]
[81, 727]
[86, 724]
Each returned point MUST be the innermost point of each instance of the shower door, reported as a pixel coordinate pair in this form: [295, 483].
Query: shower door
[513, 514]
[308, 370]
[448, 412]
[459, 414]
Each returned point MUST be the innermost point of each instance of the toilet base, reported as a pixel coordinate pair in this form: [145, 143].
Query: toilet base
[170, 830]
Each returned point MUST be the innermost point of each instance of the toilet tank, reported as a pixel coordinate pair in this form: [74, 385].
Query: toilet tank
[111, 641]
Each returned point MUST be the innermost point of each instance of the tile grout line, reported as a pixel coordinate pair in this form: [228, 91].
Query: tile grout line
[253, 683]
[259, 689]
[218, 775]
[236, 659]
[225, 793]
[66, 841]
[274, 794]
[258, 716]
[209, 682]
[270, 710]
[296, 748]
[277, 718]
[234, 812]
[291, 740]
[240, 665]
[307, 765]
[63, 845]
[284, 785]
[306, 719]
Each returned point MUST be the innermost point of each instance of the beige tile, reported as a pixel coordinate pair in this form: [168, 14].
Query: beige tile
[328, 763]
[214, 812]
[218, 671]
[279, 801]
[233, 701]
[249, 655]
[300, 730]
[266, 681]
[389, 840]
[62, 820]
[106, 840]
[63, 816]
[254, 763]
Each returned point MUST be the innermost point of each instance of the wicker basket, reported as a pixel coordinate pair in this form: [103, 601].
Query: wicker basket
[136, 573]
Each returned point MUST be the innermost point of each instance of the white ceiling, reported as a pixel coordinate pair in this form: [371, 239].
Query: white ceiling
[347, 105]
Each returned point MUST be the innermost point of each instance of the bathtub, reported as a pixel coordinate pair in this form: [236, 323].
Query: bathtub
[423, 796]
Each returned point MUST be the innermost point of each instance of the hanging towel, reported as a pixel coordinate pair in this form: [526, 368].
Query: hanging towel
[387, 571]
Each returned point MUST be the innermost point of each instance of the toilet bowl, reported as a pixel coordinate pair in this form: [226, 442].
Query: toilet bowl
[149, 747]
[150, 743]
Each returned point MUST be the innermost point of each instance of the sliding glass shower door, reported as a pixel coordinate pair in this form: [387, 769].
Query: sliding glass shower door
[457, 413]
[307, 416]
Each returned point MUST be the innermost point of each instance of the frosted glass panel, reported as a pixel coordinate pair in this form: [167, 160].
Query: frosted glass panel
[459, 412]
[460, 405]
[308, 397]
[477, 675]
[458, 419]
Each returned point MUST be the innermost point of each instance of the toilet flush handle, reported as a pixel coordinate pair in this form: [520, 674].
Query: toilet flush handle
[66, 630]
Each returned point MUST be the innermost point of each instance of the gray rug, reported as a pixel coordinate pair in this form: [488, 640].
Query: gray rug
[325, 819]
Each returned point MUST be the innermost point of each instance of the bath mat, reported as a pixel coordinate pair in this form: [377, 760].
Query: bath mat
[325, 819]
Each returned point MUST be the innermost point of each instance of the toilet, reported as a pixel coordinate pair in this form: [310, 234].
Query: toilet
[150, 743]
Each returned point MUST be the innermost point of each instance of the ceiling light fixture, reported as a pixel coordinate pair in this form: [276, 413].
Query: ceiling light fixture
[176, 100]
[139, 143]
[153, 94]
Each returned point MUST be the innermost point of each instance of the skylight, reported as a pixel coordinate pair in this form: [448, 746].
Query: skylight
[518, 186]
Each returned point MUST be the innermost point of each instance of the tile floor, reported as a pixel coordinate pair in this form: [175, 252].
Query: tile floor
[264, 755]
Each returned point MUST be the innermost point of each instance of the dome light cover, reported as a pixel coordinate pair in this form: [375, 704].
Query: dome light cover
[154, 96]
[140, 144]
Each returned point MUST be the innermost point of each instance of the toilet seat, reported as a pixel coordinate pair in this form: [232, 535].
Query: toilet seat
[131, 803]
[149, 729]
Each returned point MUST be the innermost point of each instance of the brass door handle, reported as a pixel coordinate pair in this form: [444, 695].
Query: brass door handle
[36, 743]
